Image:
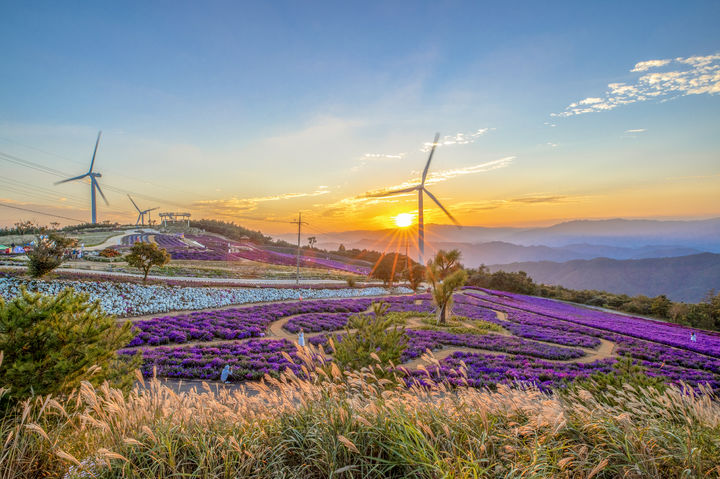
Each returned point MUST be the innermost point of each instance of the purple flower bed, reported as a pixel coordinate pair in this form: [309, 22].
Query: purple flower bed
[248, 360]
[316, 322]
[236, 323]
[525, 359]
[486, 370]
[421, 340]
[675, 335]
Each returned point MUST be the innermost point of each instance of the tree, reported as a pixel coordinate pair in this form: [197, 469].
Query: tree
[341, 247]
[387, 269]
[368, 336]
[660, 306]
[48, 253]
[415, 276]
[52, 343]
[446, 262]
[311, 241]
[146, 255]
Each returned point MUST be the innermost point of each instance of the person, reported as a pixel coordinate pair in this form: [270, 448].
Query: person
[693, 337]
[225, 373]
[301, 337]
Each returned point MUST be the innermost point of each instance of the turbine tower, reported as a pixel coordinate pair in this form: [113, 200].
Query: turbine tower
[421, 190]
[93, 182]
[141, 215]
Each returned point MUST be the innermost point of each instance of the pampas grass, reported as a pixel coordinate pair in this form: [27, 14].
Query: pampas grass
[356, 424]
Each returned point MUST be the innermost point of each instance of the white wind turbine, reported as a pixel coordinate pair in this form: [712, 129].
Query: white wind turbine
[93, 182]
[421, 190]
[142, 213]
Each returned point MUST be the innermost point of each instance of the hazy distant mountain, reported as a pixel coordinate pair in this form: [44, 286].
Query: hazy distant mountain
[684, 278]
[473, 255]
[581, 239]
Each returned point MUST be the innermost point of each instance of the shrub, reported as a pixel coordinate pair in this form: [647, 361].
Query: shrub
[48, 253]
[146, 255]
[109, 253]
[370, 341]
[52, 343]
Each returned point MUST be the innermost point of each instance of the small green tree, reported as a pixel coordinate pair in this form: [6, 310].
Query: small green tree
[446, 263]
[146, 255]
[366, 336]
[48, 253]
[52, 343]
[445, 276]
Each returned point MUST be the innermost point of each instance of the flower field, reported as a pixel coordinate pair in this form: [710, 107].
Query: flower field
[537, 343]
[213, 248]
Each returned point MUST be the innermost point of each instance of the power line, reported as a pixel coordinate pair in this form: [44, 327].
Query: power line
[40, 212]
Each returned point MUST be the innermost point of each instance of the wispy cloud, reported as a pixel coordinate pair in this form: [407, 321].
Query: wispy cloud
[444, 175]
[538, 198]
[235, 205]
[382, 156]
[679, 77]
[637, 130]
[457, 139]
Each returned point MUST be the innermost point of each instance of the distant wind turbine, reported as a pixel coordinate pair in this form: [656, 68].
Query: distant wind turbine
[141, 215]
[421, 189]
[93, 182]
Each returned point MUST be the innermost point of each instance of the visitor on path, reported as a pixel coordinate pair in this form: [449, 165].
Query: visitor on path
[693, 337]
[225, 373]
[301, 337]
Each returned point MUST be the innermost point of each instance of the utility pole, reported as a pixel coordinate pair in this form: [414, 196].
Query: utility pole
[299, 222]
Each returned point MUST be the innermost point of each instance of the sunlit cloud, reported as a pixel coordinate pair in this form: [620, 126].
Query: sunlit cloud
[683, 76]
[235, 205]
[368, 199]
[637, 130]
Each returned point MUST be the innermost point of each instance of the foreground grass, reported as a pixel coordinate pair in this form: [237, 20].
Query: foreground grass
[356, 425]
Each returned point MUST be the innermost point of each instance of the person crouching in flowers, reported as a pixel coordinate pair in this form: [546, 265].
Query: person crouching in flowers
[301, 337]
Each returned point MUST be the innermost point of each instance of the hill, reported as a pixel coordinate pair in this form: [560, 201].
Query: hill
[684, 278]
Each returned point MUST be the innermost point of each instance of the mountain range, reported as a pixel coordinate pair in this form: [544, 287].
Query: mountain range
[675, 257]
[683, 278]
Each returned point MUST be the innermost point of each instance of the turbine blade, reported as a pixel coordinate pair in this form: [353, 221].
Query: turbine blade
[432, 197]
[432, 152]
[391, 193]
[95, 152]
[135, 205]
[96, 185]
[71, 179]
[151, 209]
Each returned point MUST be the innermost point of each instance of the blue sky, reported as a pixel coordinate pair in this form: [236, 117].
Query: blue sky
[262, 109]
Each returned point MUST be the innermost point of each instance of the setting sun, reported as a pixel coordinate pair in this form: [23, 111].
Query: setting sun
[404, 220]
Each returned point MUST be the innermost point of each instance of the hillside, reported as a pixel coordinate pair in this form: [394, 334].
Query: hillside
[684, 278]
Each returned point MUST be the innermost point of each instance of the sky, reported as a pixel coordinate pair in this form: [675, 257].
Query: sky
[254, 111]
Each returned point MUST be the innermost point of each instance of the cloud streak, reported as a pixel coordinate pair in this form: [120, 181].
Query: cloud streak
[456, 139]
[235, 205]
[677, 77]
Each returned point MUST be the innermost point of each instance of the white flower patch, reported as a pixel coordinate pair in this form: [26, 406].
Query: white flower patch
[130, 299]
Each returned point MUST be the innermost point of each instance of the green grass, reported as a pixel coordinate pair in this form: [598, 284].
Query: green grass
[457, 325]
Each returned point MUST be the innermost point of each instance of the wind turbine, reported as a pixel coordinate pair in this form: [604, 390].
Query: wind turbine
[141, 216]
[421, 189]
[93, 182]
